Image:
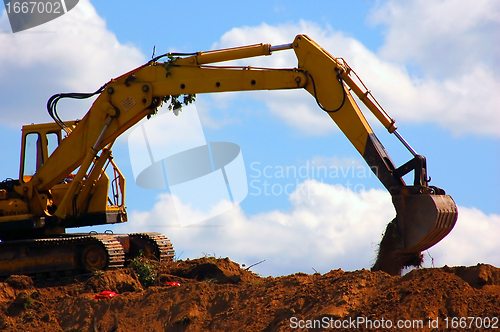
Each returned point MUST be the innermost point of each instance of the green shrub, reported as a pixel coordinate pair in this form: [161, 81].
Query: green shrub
[145, 270]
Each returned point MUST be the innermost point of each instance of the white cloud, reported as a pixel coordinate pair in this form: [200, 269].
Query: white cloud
[454, 48]
[73, 53]
[457, 95]
[445, 39]
[327, 227]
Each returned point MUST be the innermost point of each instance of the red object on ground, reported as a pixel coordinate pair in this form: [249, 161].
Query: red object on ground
[105, 295]
[173, 283]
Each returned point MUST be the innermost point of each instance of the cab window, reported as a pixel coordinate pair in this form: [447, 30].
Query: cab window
[33, 158]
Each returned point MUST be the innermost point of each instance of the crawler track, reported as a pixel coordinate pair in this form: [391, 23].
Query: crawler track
[65, 253]
[80, 252]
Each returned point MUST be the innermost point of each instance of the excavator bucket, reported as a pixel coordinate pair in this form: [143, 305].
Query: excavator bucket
[423, 220]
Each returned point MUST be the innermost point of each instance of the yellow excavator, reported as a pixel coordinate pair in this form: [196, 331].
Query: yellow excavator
[63, 181]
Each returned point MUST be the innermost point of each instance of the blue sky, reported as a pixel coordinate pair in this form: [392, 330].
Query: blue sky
[433, 67]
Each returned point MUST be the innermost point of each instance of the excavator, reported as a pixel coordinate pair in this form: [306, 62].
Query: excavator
[64, 183]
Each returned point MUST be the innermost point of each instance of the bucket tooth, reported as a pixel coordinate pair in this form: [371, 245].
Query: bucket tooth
[423, 220]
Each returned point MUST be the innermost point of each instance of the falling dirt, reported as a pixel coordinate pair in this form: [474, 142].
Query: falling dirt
[388, 259]
[219, 295]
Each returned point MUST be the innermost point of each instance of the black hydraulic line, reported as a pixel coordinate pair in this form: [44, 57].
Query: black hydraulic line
[52, 102]
[316, 96]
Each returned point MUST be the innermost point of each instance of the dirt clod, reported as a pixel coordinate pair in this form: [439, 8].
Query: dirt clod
[19, 282]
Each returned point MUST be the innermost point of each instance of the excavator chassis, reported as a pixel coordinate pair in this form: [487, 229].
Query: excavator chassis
[76, 253]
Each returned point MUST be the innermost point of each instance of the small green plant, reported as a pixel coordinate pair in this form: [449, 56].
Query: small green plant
[169, 64]
[210, 280]
[97, 273]
[173, 101]
[145, 270]
[28, 304]
[211, 257]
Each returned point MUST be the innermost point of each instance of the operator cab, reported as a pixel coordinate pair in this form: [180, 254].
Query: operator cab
[38, 143]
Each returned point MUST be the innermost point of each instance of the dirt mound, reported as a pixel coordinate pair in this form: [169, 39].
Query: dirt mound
[211, 294]
[477, 276]
[210, 269]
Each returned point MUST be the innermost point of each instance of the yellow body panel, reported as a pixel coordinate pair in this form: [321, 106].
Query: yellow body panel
[14, 206]
[16, 217]
[99, 198]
